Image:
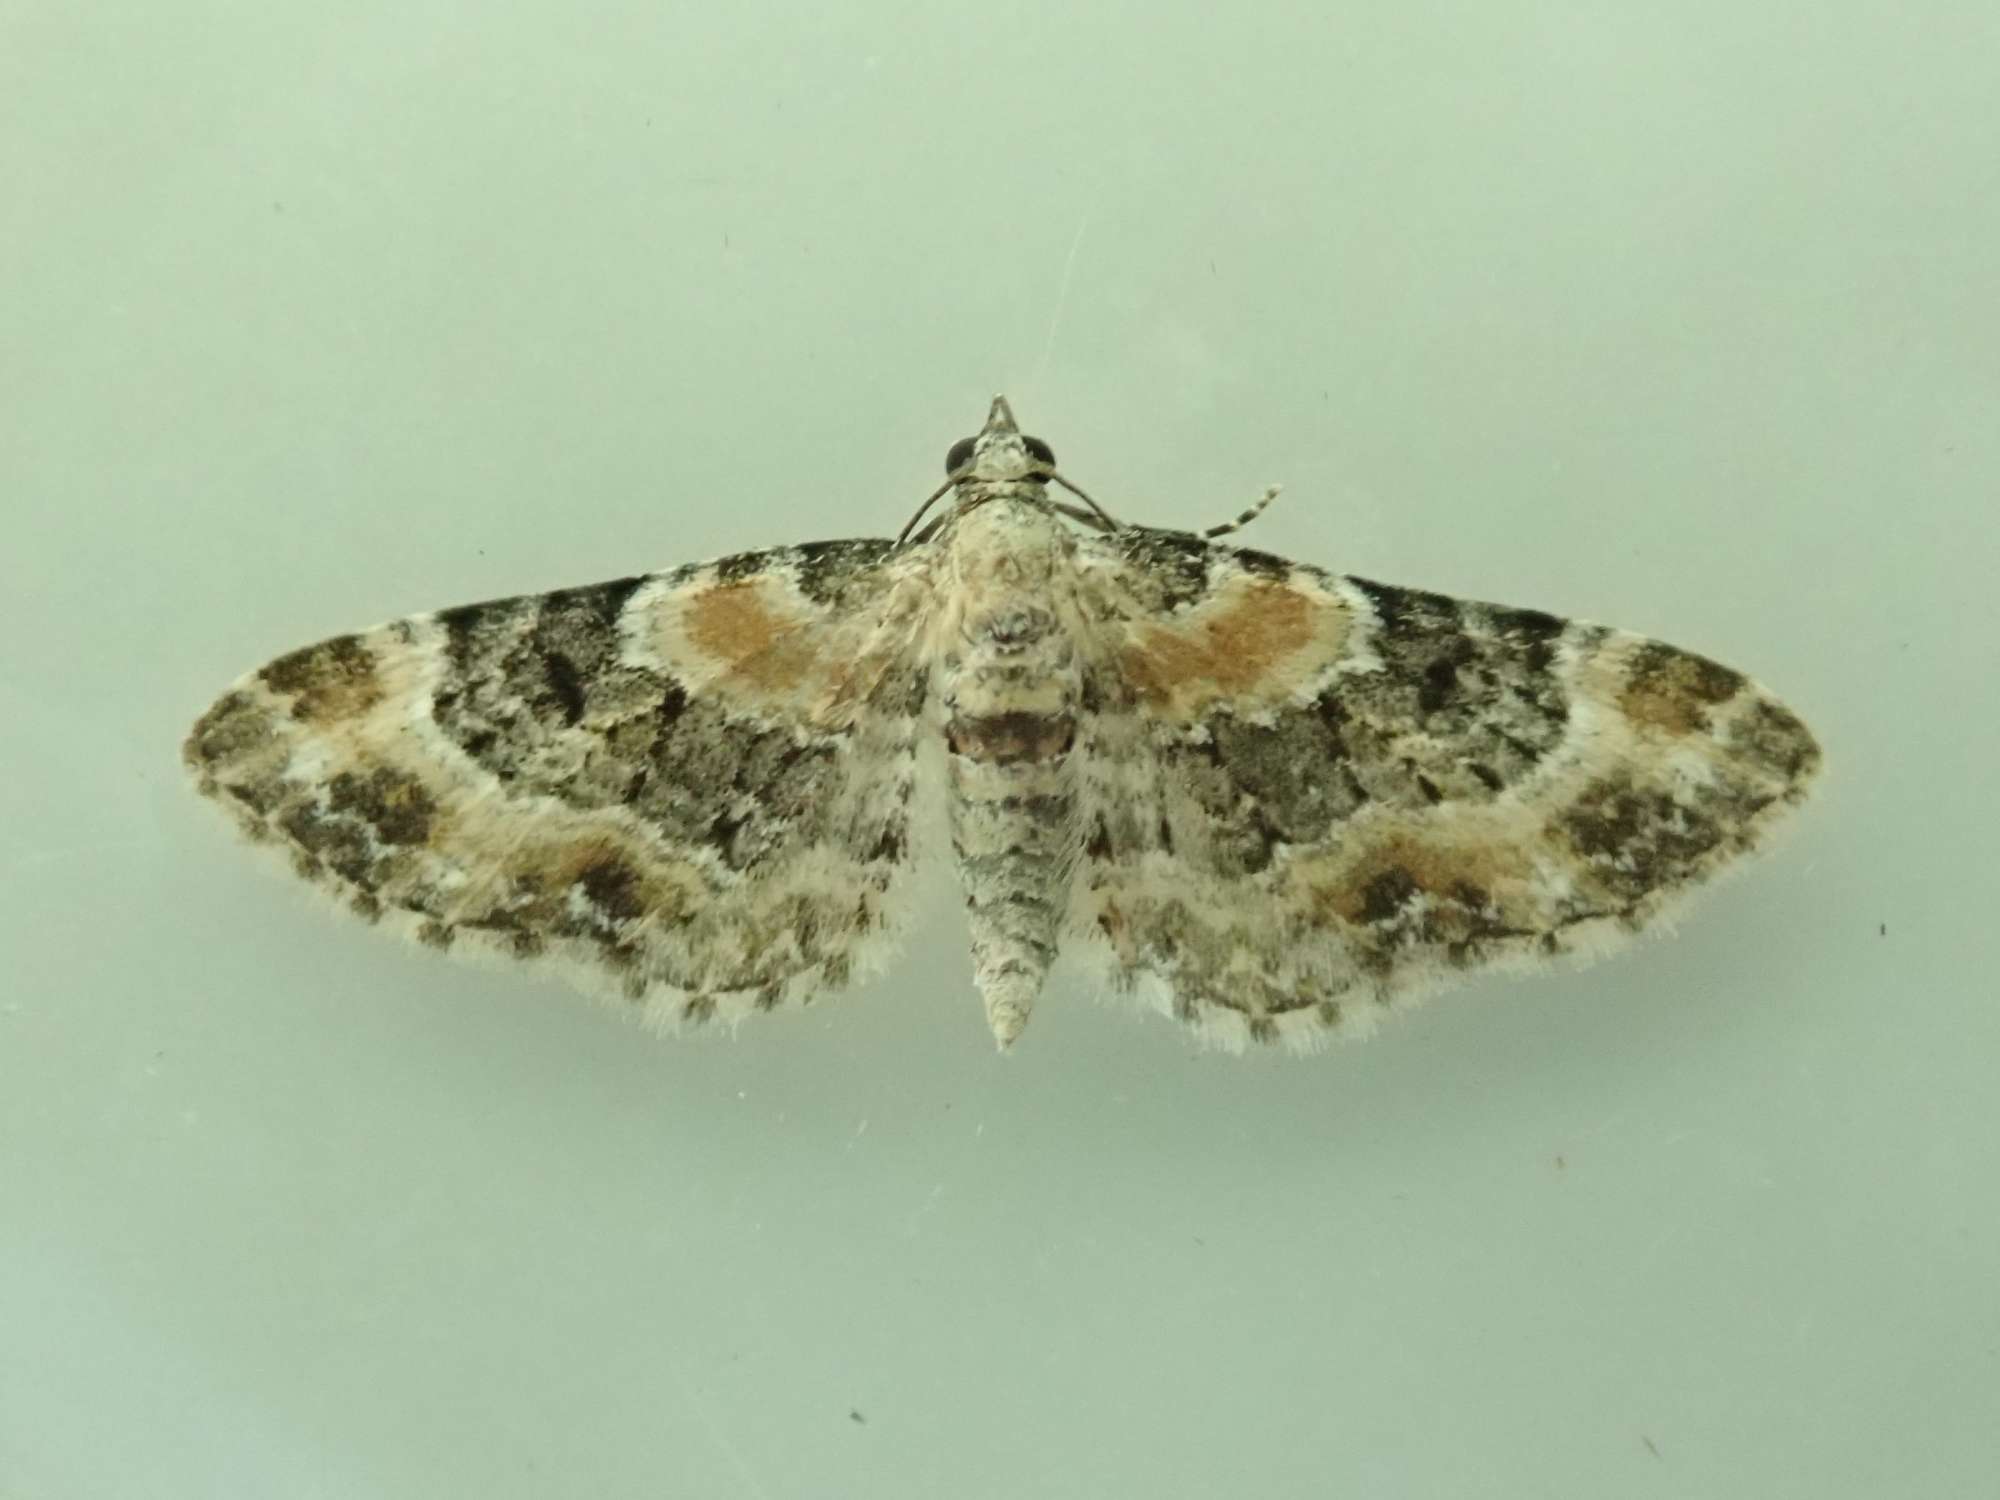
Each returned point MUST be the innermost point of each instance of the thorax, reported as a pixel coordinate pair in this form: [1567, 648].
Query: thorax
[1007, 630]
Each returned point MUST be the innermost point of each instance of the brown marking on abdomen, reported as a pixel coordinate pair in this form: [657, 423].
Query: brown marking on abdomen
[1009, 739]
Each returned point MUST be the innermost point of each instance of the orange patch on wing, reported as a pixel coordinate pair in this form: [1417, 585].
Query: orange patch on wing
[1674, 692]
[1467, 874]
[534, 877]
[1236, 647]
[766, 649]
[327, 682]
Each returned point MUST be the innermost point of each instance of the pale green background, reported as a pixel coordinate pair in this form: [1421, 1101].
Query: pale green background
[1685, 317]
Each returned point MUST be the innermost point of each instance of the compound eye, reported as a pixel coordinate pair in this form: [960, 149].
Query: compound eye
[1040, 451]
[959, 456]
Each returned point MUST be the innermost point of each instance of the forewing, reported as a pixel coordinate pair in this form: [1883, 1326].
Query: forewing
[1310, 796]
[693, 784]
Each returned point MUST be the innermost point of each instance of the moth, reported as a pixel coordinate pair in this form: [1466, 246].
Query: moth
[1269, 800]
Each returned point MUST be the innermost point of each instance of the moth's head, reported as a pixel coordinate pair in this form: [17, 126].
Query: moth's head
[999, 452]
[997, 463]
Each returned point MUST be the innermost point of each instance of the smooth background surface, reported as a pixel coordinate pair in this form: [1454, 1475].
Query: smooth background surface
[1681, 317]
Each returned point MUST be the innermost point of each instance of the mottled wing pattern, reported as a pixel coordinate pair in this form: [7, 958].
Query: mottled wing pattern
[695, 784]
[1310, 796]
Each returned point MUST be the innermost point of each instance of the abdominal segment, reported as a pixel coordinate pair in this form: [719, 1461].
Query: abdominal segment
[1013, 823]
